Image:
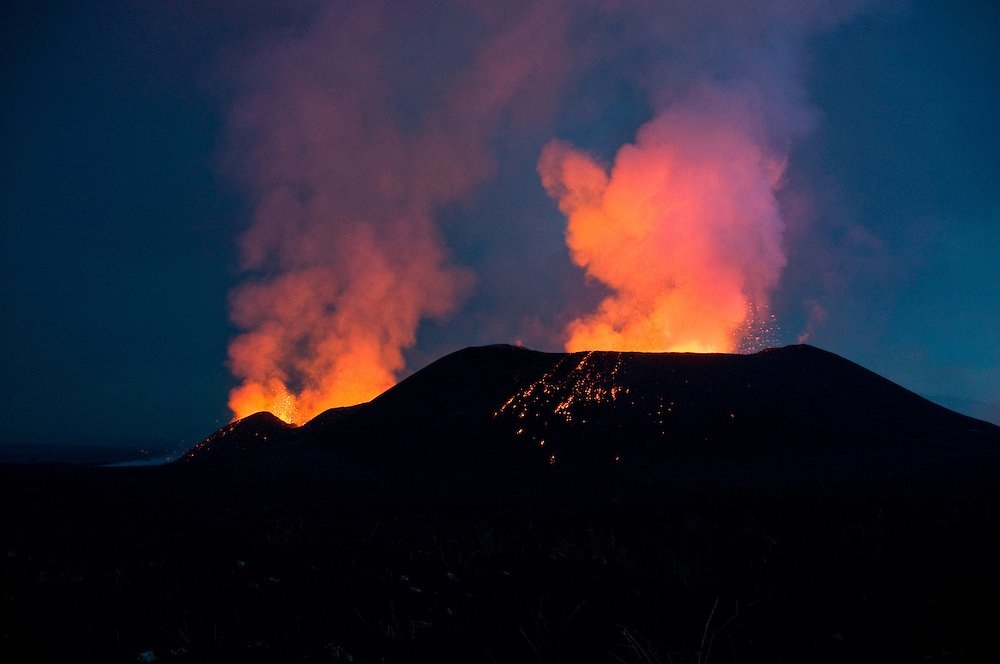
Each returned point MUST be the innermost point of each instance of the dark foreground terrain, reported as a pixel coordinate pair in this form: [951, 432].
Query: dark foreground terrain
[878, 548]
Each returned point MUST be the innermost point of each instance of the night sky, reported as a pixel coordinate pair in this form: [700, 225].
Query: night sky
[175, 178]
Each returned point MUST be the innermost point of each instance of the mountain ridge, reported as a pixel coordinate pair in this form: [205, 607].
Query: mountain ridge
[507, 405]
[790, 504]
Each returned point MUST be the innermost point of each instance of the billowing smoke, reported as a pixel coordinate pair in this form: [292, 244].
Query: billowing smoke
[364, 126]
[351, 136]
[685, 227]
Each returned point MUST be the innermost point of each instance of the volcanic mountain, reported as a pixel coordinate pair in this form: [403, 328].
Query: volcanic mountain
[506, 406]
[507, 505]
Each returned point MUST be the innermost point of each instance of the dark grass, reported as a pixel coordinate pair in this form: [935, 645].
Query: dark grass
[304, 560]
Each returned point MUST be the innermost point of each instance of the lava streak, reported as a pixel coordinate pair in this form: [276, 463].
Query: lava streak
[684, 230]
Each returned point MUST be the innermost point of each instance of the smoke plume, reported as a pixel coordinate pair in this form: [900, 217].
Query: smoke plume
[685, 228]
[351, 136]
[362, 126]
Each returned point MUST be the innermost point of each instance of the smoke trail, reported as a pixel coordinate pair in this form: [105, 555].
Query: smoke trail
[351, 135]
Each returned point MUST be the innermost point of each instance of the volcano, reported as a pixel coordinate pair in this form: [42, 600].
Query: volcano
[507, 505]
[506, 406]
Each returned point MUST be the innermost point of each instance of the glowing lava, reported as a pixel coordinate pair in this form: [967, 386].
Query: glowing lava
[571, 400]
[584, 382]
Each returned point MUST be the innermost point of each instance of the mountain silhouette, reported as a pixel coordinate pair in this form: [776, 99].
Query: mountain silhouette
[507, 406]
[509, 505]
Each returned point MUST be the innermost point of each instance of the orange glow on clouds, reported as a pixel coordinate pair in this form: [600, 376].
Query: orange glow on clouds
[316, 341]
[351, 148]
[349, 153]
[684, 229]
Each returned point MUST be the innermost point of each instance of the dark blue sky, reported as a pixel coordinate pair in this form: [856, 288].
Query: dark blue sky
[121, 212]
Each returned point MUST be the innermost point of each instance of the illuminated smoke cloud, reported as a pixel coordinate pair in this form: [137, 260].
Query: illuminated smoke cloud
[685, 228]
[360, 127]
[351, 135]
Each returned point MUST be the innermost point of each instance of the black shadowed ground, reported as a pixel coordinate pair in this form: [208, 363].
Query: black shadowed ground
[507, 505]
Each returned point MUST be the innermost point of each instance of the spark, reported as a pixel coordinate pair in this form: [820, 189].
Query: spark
[585, 384]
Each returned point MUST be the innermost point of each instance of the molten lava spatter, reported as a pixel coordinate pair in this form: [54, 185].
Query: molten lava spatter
[608, 405]
[585, 382]
[579, 387]
[249, 435]
[272, 397]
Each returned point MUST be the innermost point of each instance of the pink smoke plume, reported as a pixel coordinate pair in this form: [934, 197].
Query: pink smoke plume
[351, 137]
[358, 126]
[684, 229]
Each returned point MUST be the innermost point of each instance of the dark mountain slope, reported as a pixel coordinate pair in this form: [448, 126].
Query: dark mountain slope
[788, 506]
[503, 406]
[252, 434]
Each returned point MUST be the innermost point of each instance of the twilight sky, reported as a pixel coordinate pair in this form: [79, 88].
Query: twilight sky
[301, 205]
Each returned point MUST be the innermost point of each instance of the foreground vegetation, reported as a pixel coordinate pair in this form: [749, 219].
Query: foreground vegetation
[312, 563]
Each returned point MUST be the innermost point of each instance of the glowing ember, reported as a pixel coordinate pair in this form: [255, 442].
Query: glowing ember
[584, 401]
[560, 389]
[576, 383]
